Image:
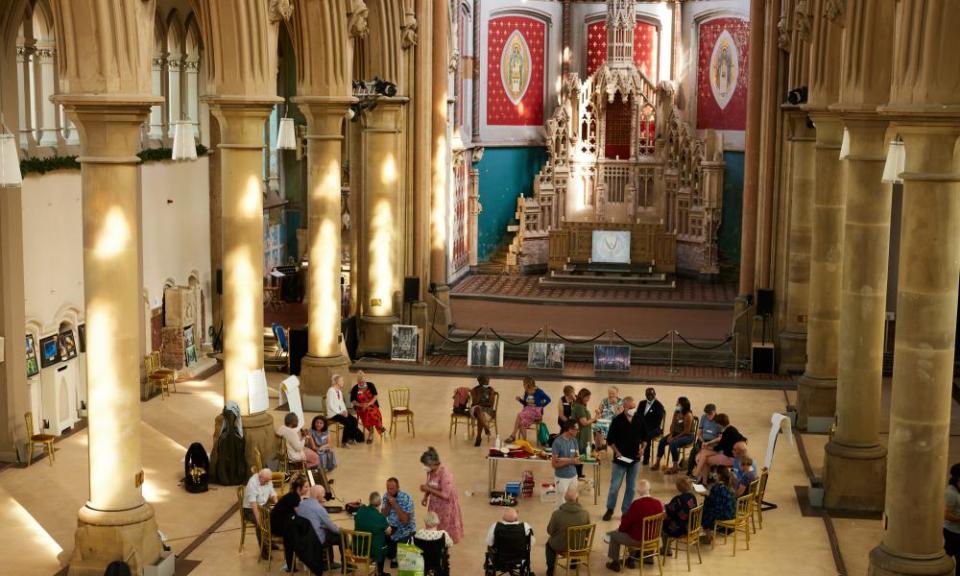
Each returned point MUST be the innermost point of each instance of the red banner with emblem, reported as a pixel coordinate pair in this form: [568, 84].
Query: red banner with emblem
[515, 60]
[645, 42]
[722, 74]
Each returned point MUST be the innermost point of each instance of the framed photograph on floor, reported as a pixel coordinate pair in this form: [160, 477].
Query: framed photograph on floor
[610, 358]
[188, 337]
[33, 366]
[486, 353]
[404, 343]
[49, 351]
[68, 345]
[545, 355]
[191, 354]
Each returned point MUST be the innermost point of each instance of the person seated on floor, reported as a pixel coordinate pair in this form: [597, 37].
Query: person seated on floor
[297, 450]
[311, 509]
[744, 470]
[337, 412]
[283, 513]
[399, 509]
[363, 396]
[720, 503]
[708, 434]
[533, 400]
[570, 513]
[630, 531]
[435, 544]
[676, 523]
[680, 435]
[319, 441]
[721, 453]
[482, 398]
[258, 492]
[369, 519]
[509, 542]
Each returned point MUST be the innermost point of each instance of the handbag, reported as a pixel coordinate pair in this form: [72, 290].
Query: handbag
[543, 435]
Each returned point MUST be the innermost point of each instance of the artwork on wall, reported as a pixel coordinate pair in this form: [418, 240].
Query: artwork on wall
[188, 337]
[82, 337]
[191, 354]
[547, 355]
[611, 358]
[67, 344]
[49, 351]
[487, 353]
[722, 74]
[610, 246]
[646, 41]
[404, 342]
[33, 367]
[515, 62]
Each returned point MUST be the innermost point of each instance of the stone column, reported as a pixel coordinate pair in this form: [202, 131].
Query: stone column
[817, 388]
[440, 152]
[748, 228]
[793, 339]
[676, 32]
[324, 149]
[473, 211]
[116, 522]
[923, 358]
[241, 122]
[855, 465]
[383, 158]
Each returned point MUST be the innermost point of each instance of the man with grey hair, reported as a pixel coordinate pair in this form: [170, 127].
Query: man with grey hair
[311, 509]
[369, 519]
[570, 513]
[625, 438]
[630, 532]
[258, 492]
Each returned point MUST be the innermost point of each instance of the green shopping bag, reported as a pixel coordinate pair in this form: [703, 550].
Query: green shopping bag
[410, 559]
[543, 435]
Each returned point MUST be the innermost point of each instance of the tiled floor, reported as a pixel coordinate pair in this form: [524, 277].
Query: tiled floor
[38, 517]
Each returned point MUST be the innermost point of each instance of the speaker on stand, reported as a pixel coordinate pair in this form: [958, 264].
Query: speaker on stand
[762, 354]
[411, 293]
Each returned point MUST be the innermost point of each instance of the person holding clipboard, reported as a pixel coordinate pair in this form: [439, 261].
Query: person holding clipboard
[625, 438]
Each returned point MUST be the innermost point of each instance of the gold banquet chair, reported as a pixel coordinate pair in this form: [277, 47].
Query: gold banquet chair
[356, 553]
[579, 545]
[758, 500]
[739, 523]
[650, 547]
[685, 450]
[400, 410]
[692, 538]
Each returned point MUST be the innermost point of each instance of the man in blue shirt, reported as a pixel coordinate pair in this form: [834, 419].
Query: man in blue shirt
[398, 508]
[564, 457]
[312, 510]
[707, 434]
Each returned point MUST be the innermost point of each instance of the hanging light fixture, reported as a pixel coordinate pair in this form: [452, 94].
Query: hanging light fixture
[896, 162]
[845, 145]
[286, 134]
[184, 147]
[9, 162]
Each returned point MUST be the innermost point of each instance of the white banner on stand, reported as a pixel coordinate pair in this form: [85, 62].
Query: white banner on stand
[777, 421]
[257, 391]
[290, 393]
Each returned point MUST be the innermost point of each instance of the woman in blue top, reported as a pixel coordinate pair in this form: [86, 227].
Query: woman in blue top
[533, 401]
[720, 503]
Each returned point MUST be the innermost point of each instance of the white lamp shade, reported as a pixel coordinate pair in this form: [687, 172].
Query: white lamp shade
[184, 147]
[9, 162]
[286, 136]
[895, 164]
[845, 145]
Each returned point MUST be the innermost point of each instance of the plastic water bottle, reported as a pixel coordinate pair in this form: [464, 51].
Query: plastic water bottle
[497, 443]
[588, 451]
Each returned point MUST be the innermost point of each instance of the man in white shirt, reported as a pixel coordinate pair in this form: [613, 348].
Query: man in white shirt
[337, 411]
[258, 492]
[510, 518]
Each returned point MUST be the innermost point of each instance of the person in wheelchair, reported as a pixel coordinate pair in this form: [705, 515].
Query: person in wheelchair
[508, 547]
[435, 544]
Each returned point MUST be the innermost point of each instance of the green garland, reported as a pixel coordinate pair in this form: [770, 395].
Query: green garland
[51, 163]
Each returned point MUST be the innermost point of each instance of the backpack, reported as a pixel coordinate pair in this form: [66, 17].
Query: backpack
[196, 469]
[461, 397]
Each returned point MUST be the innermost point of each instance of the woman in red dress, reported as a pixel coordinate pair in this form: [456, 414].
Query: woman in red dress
[363, 395]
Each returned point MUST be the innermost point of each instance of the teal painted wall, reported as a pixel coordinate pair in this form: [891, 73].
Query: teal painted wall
[729, 234]
[505, 175]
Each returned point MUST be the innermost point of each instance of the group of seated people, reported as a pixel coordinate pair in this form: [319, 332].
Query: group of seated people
[362, 417]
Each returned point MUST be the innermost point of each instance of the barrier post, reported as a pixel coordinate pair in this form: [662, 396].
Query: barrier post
[673, 335]
[736, 355]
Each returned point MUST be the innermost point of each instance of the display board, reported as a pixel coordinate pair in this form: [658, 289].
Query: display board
[610, 247]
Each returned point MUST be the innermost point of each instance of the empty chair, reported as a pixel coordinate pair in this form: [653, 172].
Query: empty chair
[400, 410]
[45, 440]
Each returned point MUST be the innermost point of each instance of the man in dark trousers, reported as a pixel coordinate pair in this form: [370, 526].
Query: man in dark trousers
[625, 438]
[652, 412]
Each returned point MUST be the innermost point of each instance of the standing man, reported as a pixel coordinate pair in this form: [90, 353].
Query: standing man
[626, 439]
[482, 406]
[653, 413]
[630, 532]
[398, 508]
[707, 433]
[570, 513]
[564, 458]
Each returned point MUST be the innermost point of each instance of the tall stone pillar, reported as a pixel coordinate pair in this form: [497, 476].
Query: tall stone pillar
[748, 228]
[324, 149]
[817, 388]
[440, 150]
[241, 122]
[380, 276]
[923, 357]
[473, 212]
[116, 522]
[855, 465]
[13, 371]
[793, 338]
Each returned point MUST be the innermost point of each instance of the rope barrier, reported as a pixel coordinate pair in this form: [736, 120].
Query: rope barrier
[692, 345]
[519, 342]
[647, 345]
[571, 341]
[450, 340]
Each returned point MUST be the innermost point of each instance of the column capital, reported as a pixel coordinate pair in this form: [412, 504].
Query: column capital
[241, 119]
[109, 125]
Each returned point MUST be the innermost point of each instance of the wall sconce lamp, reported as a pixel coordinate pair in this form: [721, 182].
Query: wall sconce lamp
[286, 133]
[896, 162]
[9, 161]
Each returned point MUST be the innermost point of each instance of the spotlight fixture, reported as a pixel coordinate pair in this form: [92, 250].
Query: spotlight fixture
[797, 96]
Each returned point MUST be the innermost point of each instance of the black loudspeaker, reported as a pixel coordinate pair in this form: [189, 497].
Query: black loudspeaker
[219, 281]
[764, 302]
[411, 289]
[298, 348]
[762, 359]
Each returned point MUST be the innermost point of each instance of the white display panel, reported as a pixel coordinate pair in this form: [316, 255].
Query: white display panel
[610, 247]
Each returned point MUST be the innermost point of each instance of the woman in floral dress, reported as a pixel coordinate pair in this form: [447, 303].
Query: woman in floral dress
[440, 495]
[533, 401]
